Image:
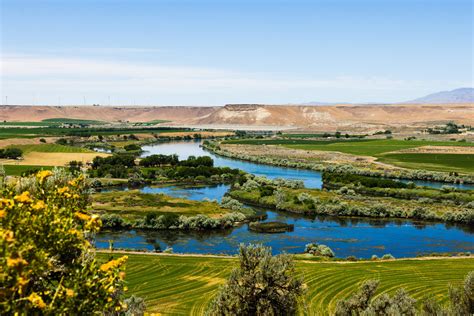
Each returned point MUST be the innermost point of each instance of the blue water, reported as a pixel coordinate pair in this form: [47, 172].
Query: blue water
[438, 185]
[347, 237]
[311, 179]
[357, 237]
[191, 193]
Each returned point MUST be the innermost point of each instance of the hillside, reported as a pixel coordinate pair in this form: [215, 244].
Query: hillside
[103, 113]
[327, 118]
[462, 95]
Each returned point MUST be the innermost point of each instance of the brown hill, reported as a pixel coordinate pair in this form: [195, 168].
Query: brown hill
[330, 117]
[350, 117]
[103, 113]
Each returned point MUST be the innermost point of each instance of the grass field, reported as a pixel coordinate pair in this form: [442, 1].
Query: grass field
[184, 285]
[384, 150]
[18, 170]
[133, 204]
[62, 120]
[355, 147]
[52, 148]
[437, 162]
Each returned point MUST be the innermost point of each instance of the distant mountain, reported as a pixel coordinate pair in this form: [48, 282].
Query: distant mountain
[462, 95]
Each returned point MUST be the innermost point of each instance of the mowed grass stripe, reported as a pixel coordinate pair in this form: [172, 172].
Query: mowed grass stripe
[52, 148]
[184, 285]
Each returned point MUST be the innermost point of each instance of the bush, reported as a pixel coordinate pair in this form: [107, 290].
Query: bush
[261, 285]
[47, 261]
[387, 257]
[363, 302]
[11, 153]
[319, 250]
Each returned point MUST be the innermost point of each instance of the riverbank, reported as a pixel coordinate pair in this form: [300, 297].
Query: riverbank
[319, 161]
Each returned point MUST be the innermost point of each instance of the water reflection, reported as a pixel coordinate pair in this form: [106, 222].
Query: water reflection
[359, 237]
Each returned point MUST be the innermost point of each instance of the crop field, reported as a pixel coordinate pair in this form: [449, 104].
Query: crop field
[437, 162]
[61, 120]
[17, 170]
[184, 285]
[355, 147]
[52, 148]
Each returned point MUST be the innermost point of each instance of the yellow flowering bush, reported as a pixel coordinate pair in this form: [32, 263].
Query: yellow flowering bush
[47, 263]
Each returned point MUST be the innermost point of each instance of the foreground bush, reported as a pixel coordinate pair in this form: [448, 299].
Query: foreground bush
[364, 303]
[261, 285]
[47, 264]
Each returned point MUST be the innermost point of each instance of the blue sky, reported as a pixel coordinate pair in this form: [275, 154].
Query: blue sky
[218, 52]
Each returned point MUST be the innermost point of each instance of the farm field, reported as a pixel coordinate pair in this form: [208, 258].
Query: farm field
[386, 151]
[184, 285]
[355, 147]
[52, 148]
[437, 162]
[18, 170]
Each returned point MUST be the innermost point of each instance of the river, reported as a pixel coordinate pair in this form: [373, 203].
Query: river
[347, 237]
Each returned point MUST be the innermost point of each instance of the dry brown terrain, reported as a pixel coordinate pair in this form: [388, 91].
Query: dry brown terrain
[319, 118]
[51, 159]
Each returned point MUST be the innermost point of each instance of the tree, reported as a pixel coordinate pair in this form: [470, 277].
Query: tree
[363, 302]
[261, 285]
[461, 300]
[11, 153]
[47, 263]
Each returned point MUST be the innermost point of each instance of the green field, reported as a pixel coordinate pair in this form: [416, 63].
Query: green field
[355, 147]
[133, 204]
[62, 120]
[437, 162]
[18, 170]
[184, 285]
[52, 148]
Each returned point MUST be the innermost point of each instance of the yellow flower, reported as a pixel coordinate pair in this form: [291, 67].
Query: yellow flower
[42, 175]
[36, 300]
[22, 281]
[82, 216]
[23, 198]
[6, 202]
[3, 213]
[109, 299]
[7, 235]
[63, 190]
[40, 205]
[69, 293]
[14, 262]
[113, 264]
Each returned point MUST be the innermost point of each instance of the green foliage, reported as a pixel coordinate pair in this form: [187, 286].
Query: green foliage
[364, 303]
[11, 153]
[47, 263]
[261, 285]
[319, 250]
[461, 300]
[271, 227]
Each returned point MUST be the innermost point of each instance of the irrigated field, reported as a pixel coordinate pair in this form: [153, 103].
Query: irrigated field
[355, 147]
[438, 162]
[52, 148]
[387, 151]
[184, 285]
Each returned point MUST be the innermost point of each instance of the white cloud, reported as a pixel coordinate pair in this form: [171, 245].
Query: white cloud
[48, 77]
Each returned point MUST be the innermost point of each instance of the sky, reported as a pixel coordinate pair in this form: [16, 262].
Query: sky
[144, 52]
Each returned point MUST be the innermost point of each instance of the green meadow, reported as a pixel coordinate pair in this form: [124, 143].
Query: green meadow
[18, 170]
[374, 147]
[383, 150]
[436, 162]
[52, 148]
[184, 285]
